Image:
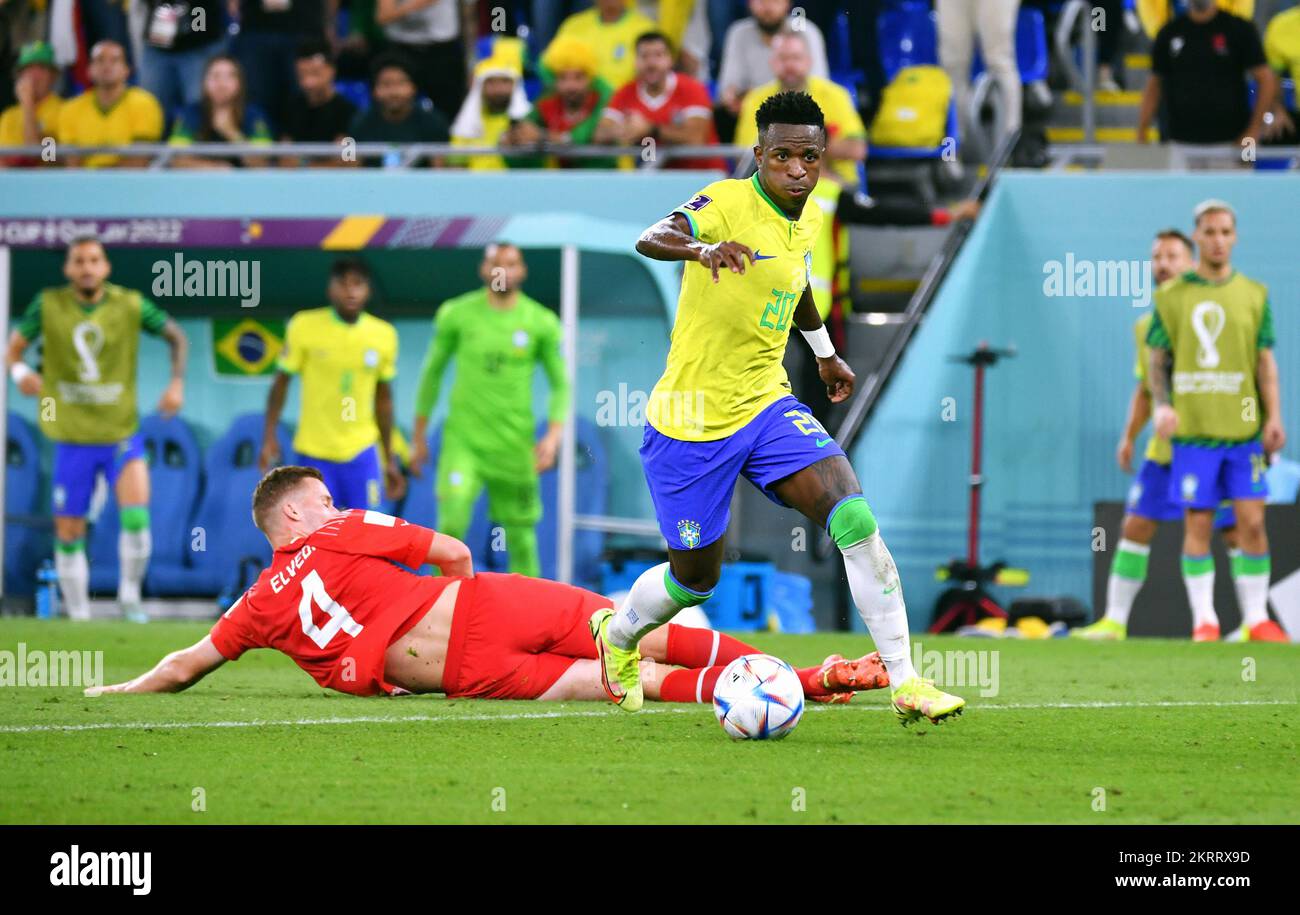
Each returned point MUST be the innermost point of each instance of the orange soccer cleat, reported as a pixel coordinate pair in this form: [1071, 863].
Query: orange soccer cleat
[1206, 632]
[844, 676]
[1267, 631]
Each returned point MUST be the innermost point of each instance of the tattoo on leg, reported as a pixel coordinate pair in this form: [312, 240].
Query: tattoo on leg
[835, 479]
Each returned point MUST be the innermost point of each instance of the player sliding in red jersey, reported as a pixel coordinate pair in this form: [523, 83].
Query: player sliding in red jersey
[337, 602]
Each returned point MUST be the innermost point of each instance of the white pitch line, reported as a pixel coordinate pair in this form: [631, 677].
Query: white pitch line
[604, 713]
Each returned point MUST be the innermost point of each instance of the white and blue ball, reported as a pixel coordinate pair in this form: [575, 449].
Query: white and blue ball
[758, 697]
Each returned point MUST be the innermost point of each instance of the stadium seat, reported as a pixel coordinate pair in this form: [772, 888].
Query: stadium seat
[421, 507]
[235, 549]
[1032, 51]
[840, 54]
[356, 91]
[592, 496]
[908, 37]
[174, 480]
[27, 543]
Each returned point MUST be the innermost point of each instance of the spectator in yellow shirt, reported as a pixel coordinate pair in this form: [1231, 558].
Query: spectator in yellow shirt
[611, 28]
[1155, 13]
[36, 116]
[846, 144]
[109, 113]
[1282, 50]
[495, 105]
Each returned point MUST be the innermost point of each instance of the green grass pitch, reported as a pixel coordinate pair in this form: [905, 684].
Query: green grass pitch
[1156, 731]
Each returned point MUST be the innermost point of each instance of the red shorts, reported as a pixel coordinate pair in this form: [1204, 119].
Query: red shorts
[513, 636]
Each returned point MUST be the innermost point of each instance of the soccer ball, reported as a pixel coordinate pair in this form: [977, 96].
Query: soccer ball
[758, 697]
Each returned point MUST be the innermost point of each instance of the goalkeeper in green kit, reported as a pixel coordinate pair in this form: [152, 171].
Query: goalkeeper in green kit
[1215, 384]
[498, 335]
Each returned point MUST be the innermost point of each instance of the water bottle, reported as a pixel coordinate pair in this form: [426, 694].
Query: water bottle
[47, 591]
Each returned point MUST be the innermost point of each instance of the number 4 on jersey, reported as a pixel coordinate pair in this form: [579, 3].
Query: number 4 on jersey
[313, 590]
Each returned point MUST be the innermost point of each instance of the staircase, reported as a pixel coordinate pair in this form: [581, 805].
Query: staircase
[1116, 112]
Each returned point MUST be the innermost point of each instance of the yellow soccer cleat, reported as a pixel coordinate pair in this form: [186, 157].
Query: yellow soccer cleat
[1104, 630]
[620, 668]
[918, 698]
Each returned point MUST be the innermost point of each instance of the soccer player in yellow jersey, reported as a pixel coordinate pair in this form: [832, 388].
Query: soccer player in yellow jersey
[723, 407]
[1214, 381]
[90, 330]
[1148, 498]
[347, 359]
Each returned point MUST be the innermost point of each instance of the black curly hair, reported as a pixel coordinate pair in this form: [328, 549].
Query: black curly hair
[789, 108]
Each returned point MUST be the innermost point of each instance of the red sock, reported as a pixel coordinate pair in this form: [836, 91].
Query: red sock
[696, 685]
[812, 684]
[688, 647]
[690, 685]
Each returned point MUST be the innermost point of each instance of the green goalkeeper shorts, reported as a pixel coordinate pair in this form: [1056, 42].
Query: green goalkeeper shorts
[514, 495]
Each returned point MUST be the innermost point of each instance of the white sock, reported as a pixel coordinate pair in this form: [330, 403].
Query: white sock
[1127, 575]
[1250, 575]
[647, 606]
[1200, 594]
[133, 550]
[74, 581]
[873, 581]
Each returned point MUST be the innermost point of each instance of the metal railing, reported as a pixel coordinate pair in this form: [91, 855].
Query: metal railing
[1171, 156]
[399, 156]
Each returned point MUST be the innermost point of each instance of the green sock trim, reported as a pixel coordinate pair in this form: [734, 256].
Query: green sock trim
[851, 522]
[1247, 564]
[70, 547]
[1198, 565]
[1131, 565]
[682, 594]
[135, 518]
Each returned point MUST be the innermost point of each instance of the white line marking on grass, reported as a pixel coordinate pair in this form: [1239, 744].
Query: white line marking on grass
[312, 722]
[604, 713]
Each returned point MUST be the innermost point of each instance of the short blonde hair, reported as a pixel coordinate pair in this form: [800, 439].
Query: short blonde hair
[1213, 205]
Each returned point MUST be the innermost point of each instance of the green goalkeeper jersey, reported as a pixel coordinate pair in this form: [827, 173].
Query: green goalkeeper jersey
[89, 360]
[491, 406]
[1215, 332]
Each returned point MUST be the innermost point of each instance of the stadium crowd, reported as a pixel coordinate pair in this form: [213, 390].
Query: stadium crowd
[545, 75]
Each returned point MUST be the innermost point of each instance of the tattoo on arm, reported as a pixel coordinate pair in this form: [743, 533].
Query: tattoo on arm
[1160, 371]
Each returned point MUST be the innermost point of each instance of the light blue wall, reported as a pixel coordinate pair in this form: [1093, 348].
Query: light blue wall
[1055, 412]
[621, 196]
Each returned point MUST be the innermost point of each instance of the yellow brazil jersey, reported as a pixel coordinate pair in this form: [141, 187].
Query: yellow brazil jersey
[613, 42]
[340, 365]
[494, 127]
[1282, 42]
[1158, 449]
[135, 118]
[724, 363]
[842, 119]
[47, 118]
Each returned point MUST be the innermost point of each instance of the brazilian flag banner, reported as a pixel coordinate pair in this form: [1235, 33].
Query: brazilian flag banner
[244, 346]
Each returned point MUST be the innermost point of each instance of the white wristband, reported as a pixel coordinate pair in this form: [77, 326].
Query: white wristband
[820, 341]
[20, 370]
